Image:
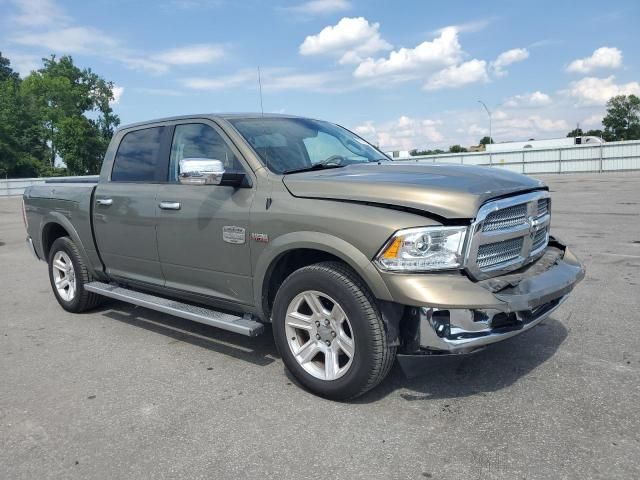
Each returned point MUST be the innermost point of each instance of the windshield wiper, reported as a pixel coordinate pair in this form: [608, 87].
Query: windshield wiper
[317, 166]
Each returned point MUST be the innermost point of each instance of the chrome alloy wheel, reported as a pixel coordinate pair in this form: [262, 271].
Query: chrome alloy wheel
[64, 276]
[319, 335]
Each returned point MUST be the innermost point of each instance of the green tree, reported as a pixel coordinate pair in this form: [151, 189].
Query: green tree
[578, 132]
[457, 149]
[22, 144]
[415, 152]
[74, 111]
[622, 121]
[486, 140]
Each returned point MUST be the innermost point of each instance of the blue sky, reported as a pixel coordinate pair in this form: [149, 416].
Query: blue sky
[403, 74]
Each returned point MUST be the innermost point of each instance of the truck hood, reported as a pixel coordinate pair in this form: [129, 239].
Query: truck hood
[449, 191]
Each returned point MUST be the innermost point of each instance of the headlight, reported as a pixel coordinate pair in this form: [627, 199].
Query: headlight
[423, 249]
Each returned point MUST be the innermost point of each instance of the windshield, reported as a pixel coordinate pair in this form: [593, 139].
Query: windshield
[286, 145]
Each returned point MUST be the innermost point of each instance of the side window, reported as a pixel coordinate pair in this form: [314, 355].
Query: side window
[324, 146]
[138, 156]
[197, 140]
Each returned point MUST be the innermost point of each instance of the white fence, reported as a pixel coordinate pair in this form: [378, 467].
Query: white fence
[607, 157]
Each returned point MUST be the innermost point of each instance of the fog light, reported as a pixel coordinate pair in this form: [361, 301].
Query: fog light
[441, 323]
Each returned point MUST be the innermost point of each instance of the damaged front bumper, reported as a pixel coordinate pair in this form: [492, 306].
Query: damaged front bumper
[452, 314]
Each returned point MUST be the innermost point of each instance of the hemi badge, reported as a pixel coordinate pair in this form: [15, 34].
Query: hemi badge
[260, 237]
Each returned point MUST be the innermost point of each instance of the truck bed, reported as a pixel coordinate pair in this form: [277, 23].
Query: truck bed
[66, 203]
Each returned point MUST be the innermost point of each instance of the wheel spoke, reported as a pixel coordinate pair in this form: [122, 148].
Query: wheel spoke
[345, 343]
[60, 265]
[61, 283]
[337, 315]
[72, 290]
[307, 352]
[331, 365]
[298, 320]
[314, 303]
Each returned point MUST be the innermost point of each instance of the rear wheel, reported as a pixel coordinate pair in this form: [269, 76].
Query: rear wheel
[68, 275]
[329, 331]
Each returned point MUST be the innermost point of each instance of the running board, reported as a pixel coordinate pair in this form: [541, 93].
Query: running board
[225, 321]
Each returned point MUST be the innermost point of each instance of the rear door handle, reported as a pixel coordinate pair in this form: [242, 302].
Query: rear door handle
[170, 205]
[104, 201]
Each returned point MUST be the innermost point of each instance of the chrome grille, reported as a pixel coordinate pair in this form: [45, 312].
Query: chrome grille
[507, 234]
[505, 218]
[543, 206]
[492, 254]
[539, 240]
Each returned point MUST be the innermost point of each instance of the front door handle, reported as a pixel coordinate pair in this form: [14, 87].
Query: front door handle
[170, 205]
[104, 201]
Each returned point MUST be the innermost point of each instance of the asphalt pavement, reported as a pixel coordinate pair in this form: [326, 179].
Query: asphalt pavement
[124, 392]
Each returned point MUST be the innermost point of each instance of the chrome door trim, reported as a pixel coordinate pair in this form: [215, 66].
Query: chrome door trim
[170, 205]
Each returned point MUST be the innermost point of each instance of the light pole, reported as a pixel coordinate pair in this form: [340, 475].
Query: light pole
[490, 135]
[488, 113]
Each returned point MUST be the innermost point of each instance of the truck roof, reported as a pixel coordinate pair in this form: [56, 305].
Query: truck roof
[212, 116]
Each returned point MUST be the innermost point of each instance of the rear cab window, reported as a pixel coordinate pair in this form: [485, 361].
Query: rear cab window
[138, 156]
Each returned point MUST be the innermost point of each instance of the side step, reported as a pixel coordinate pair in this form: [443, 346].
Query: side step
[225, 321]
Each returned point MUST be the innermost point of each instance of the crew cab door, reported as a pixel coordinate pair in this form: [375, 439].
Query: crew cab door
[203, 230]
[125, 206]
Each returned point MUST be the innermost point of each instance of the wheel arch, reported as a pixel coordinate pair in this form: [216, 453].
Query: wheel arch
[56, 225]
[292, 251]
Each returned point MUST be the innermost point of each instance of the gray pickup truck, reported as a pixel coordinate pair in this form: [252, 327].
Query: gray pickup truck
[238, 221]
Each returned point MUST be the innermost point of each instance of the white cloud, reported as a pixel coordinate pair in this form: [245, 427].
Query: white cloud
[91, 41]
[321, 7]
[221, 83]
[24, 64]
[429, 57]
[507, 58]
[351, 39]
[117, 94]
[135, 62]
[594, 120]
[603, 57]
[37, 13]
[405, 133]
[191, 54]
[273, 79]
[457, 76]
[68, 40]
[597, 91]
[534, 99]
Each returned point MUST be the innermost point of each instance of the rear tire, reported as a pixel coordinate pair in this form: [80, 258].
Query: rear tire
[68, 275]
[337, 349]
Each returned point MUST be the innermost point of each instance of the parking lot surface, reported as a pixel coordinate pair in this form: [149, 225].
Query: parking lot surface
[125, 392]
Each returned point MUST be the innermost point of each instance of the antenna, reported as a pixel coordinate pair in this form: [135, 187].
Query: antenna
[260, 90]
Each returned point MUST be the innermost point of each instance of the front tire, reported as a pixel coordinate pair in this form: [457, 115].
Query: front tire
[330, 333]
[68, 275]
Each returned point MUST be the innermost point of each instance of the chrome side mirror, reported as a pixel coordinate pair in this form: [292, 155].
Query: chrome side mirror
[201, 171]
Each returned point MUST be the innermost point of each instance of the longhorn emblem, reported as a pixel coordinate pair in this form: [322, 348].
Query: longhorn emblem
[533, 228]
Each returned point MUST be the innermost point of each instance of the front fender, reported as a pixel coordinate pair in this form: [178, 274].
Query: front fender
[325, 243]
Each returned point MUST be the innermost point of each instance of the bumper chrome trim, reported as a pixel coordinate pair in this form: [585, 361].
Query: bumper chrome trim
[467, 336]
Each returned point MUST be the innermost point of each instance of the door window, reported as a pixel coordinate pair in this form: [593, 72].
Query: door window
[197, 140]
[138, 156]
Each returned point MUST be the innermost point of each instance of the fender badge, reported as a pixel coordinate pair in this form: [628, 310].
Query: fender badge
[260, 237]
[233, 234]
